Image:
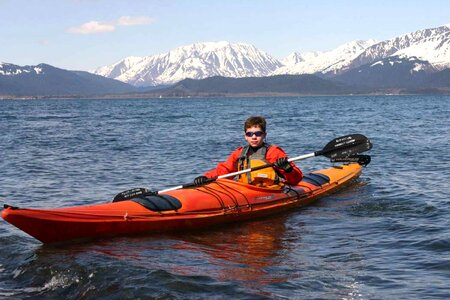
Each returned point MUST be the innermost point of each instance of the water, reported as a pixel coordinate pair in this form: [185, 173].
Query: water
[386, 237]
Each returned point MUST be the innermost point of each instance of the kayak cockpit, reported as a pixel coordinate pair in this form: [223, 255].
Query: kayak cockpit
[158, 202]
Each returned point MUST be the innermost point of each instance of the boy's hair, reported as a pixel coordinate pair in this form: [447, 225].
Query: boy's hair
[255, 121]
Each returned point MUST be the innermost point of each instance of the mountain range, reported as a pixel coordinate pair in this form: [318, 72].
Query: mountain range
[413, 62]
[46, 80]
[203, 60]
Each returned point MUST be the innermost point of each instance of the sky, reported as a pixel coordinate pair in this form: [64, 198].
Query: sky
[86, 34]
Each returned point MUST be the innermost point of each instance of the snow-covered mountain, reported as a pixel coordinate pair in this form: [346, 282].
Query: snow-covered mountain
[203, 60]
[195, 61]
[432, 45]
[323, 62]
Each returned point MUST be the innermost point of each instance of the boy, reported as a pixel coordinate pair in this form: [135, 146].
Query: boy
[256, 153]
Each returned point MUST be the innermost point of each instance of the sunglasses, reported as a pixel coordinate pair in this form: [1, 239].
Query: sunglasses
[257, 133]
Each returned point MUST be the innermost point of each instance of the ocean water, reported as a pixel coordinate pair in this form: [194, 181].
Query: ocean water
[385, 237]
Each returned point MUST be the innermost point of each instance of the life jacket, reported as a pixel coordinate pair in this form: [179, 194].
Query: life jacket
[266, 177]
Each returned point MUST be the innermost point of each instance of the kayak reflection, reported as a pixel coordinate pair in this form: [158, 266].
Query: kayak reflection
[247, 253]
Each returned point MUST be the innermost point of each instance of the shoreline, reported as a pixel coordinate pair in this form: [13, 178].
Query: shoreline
[220, 95]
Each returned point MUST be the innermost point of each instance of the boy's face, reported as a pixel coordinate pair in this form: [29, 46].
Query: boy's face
[254, 136]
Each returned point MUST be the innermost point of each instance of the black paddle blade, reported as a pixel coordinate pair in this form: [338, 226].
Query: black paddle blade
[345, 146]
[130, 194]
[361, 159]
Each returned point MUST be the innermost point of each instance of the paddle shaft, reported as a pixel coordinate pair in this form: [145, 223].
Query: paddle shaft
[301, 157]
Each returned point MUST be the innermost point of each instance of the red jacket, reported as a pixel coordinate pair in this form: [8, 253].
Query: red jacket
[273, 153]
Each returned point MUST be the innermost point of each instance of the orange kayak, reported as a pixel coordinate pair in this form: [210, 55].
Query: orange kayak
[222, 201]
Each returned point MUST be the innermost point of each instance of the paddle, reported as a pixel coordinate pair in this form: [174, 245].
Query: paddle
[341, 147]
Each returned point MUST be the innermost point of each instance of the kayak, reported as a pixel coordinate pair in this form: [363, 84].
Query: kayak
[219, 202]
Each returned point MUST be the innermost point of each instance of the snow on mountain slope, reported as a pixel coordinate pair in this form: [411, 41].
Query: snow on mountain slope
[432, 45]
[390, 72]
[7, 69]
[323, 62]
[195, 61]
[293, 58]
[118, 68]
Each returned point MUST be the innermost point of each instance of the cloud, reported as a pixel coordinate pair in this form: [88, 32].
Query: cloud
[94, 27]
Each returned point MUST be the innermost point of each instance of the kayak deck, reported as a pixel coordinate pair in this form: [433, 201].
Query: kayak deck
[222, 201]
